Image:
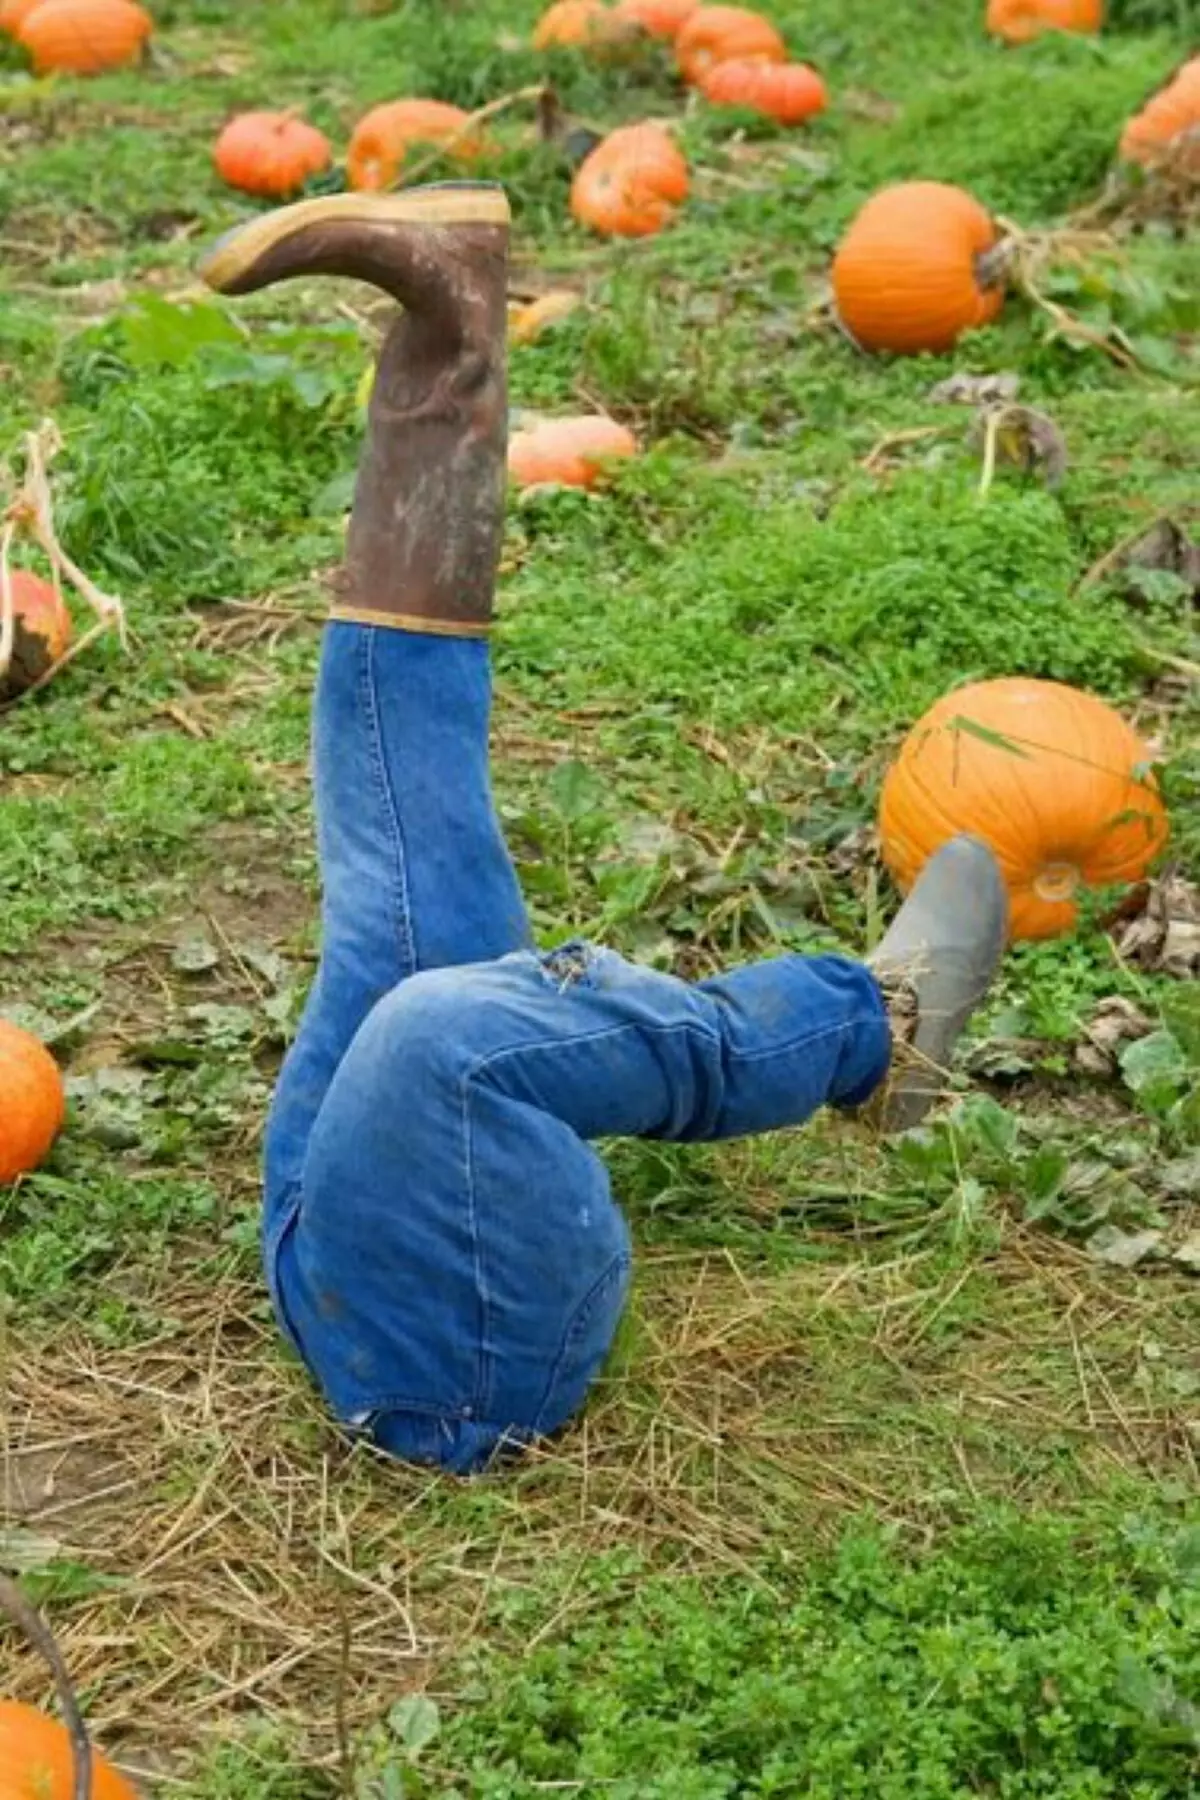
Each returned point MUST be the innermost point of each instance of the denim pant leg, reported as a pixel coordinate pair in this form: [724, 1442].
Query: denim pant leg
[415, 873]
[458, 1266]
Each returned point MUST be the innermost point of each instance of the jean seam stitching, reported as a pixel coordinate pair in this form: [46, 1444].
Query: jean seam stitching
[620, 1265]
[401, 904]
[813, 1037]
[484, 1063]
[482, 1397]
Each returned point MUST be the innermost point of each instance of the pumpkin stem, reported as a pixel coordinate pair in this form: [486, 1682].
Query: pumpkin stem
[41, 1638]
[993, 267]
[537, 92]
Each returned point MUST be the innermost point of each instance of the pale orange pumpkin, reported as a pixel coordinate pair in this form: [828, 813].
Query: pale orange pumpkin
[271, 154]
[663, 19]
[41, 632]
[1019, 21]
[36, 1762]
[384, 136]
[786, 92]
[631, 184]
[568, 452]
[1167, 116]
[33, 1106]
[84, 37]
[1051, 778]
[918, 266]
[715, 34]
[13, 14]
[571, 24]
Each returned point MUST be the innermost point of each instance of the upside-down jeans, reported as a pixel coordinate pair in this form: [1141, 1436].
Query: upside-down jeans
[442, 1245]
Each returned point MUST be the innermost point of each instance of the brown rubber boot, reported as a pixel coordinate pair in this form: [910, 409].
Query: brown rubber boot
[424, 536]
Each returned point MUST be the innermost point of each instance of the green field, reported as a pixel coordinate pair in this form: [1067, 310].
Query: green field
[891, 1488]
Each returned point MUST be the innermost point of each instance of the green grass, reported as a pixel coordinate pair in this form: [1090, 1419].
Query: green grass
[881, 1494]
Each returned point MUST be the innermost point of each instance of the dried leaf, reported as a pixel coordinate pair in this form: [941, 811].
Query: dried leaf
[1114, 1023]
[975, 390]
[1124, 1249]
[1164, 938]
[195, 954]
[1023, 439]
[1187, 1254]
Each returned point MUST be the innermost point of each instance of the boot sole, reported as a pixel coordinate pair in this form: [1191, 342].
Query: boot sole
[452, 203]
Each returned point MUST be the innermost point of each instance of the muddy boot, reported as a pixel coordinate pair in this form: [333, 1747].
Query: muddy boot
[935, 965]
[424, 535]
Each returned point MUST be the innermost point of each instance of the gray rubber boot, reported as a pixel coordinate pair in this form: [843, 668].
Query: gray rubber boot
[935, 965]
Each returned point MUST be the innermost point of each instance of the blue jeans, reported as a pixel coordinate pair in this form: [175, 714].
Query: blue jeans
[442, 1244]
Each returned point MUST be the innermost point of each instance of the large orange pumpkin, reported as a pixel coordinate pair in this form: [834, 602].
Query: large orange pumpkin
[36, 1762]
[661, 18]
[632, 182]
[1018, 21]
[912, 272]
[13, 13]
[384, 136]
[787, 92]
[1165, 118]
[1053, 779]
[714, 34]
[41, 632]
[568, 452]
[84, 37]
[270, 153]
[33, 1104]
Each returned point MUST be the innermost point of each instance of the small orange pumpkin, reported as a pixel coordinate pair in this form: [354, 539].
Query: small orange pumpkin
[1052, 778]
[41, 632]
[631, 183]
[913, 272]
[33, 1106]
[384, 136]
[660, 18]
[84, 37]
[13, 14]
[570, 24]
[716, 34]
[270, 153]
[786, 92]
[1166, 117]
[36, 1761]
[568, 452]
[527, 323]
[1019, 21]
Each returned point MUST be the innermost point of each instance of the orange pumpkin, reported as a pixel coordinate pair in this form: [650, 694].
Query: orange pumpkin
[33, 1106]
[36, 1761]
[569, 24]
[568, 452]
[715, 34]
[787, 92]
[384, 136]
[41, 632]
[13, 13]
[1053, 779]
[84, 37]
[1165, 118]
[270, 153]
[912, 272]
[1017, 21]
[631, 183]
[661, 18]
